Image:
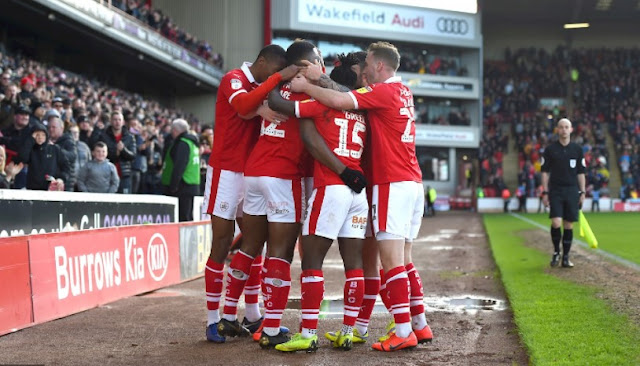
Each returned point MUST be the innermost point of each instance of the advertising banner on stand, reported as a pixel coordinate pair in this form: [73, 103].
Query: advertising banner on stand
[80, 270]
[15, 285]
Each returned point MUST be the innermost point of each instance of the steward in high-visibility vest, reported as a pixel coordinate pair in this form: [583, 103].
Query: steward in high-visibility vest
[181, 170]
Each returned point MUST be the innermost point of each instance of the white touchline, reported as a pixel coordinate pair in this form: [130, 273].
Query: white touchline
[614, 257]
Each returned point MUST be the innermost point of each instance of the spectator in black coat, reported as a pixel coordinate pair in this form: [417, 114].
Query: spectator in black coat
[14, 137]
[46, 160]
[67, 145]
[8, 104]
[121, 147]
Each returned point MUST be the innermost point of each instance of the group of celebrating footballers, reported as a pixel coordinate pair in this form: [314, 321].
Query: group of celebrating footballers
[286, 137]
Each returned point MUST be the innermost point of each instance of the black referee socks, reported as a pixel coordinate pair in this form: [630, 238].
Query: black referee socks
[556, 235]
[567, 238]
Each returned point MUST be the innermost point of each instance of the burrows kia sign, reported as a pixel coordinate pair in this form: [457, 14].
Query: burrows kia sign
[75, 271]
[387, 18]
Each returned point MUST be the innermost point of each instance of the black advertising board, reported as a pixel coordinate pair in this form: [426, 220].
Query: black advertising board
[20, 217]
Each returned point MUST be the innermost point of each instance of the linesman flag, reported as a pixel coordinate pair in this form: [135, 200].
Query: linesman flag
[586, 233]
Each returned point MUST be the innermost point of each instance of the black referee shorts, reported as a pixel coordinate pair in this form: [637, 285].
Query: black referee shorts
[563, 202]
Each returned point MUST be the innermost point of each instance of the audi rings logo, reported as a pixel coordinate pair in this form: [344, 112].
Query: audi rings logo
[452, 26]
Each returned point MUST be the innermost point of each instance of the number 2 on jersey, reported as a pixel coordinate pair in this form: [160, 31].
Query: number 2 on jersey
[342, 149]
[270, 129]
[407, 112]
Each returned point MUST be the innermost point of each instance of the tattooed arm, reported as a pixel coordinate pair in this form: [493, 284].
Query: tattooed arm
[314, 73]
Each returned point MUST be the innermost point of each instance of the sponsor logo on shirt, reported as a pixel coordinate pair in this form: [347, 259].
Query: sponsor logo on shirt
[364, 90]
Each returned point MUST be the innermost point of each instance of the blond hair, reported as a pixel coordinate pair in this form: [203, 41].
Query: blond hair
[387, 53]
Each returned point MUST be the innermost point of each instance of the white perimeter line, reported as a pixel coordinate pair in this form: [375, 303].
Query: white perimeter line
[614, 257]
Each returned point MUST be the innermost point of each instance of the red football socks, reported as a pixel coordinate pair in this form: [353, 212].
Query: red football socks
[353, 295]
[312, 288]
[277, 283]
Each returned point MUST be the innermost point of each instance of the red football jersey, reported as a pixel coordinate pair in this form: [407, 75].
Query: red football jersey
[233, 137]
[343, 131]
[393, 130]
[279, 151]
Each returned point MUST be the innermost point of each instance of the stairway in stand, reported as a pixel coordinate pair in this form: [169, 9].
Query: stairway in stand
[615, 177]
[510, 167]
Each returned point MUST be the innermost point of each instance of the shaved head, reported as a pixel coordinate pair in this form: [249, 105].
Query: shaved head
[564, 120]
[564, 129]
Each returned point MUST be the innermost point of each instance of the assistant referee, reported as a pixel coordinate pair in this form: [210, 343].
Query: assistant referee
[563, 183]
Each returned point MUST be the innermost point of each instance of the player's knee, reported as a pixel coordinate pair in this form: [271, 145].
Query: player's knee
[353, 262]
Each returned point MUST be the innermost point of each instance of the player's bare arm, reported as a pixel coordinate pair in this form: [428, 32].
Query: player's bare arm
[279, 104]
[330, 98]
[318, 148]
[314, 73]
[312, 140]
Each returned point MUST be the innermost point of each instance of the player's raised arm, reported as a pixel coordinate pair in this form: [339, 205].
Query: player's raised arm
[246, 102]
[330, 98]
[314, 73]
[279, 104]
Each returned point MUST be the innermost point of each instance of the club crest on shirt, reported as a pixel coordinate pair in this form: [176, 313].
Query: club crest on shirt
[572, 163]
[236, 84]
[364, 90]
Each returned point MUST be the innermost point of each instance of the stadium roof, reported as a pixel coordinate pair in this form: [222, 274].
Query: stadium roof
[559, 11]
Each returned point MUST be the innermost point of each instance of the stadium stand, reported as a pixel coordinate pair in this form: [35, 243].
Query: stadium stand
[164, 25]
[513, 89]
[47, 89]
[606, 95]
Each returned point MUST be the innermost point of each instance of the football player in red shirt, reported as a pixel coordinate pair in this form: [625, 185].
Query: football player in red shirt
[273, 207]
[240, 96]
[337, 211]
[398, 194]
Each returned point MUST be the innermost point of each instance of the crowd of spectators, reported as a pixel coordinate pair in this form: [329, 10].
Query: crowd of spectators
[607, 92]
[443, 112]
[513, 89]
[58, 129]
[417, 60]
[163, 24]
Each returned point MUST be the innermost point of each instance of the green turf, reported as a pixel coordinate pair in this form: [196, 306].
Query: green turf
[617, 232]
[560, 323]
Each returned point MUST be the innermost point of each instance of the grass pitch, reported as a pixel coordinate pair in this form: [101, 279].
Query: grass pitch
[617, 232]
[560, 323]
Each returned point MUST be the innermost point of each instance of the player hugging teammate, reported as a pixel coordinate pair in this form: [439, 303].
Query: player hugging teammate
[332, 129]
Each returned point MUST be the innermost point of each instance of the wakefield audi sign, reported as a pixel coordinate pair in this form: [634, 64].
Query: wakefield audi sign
[387, 18]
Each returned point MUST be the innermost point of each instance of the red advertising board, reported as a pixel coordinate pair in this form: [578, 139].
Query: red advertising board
[75, 271]
[626, 207]
[15, 299]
